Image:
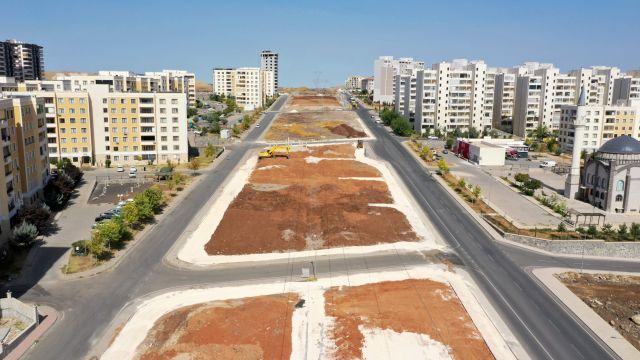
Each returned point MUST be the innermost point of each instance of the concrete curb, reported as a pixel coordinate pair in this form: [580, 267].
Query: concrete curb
[584, 314]
[109, 265]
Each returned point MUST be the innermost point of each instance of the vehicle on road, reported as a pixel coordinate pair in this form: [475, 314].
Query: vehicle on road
[133, 169]
[445, 151]
[120, 168]
[133, 174]
[547, 164]
[432, 137]
[258, 125]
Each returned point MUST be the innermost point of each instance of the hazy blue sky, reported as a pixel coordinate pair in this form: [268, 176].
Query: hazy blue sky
[326, 40]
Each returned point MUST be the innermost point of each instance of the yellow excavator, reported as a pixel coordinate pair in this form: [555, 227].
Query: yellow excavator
[274, 151]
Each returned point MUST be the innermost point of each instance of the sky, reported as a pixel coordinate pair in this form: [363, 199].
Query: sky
[322, 42]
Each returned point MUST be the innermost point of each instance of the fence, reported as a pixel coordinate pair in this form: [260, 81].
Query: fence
[13, 308]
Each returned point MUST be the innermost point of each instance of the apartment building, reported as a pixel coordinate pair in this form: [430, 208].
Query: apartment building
[404, 102]
[426, 100]
[461, 87]
[21, 60]
[24, 157]
[385, 68]
[269, 62]
[598, 82]
[249, 86]
[627, 87]
[504, 100]
[354, 82]
[602, 123]
[170, 81]
[367, 84]
[541, 91]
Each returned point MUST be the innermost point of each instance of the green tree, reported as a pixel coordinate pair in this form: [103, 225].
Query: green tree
[521, 177]
[462, 184]
[209, 150]
[442, 165]
[24, 235]
[476, 192]
[401, 126]
[171, 165]
[426, 153]
[473, 132]
[532, 184]
[592, 231]
[107, 163]
[426, 133]
[131, 214]
[634, 231]
[215, 127]
[191, 112]
[607, 230]
[622, 231]
[235, 130]
[449, 143]
[97, 248]
[111, 232]
[437, 133]
[38, 215]
[562, 227]
[194, 164]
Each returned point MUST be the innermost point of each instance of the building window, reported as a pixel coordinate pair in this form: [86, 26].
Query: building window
[620, 185]
[618, 197]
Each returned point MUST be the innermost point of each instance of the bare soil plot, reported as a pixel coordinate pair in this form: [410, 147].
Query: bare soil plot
[318, 199]
[417, 306]
[311, 102]
[320, 125]
[613, 297]
[249, 328]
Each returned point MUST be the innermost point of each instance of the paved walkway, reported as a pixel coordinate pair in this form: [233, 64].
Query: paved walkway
[504, 199]
[73, 223]
[49, 317]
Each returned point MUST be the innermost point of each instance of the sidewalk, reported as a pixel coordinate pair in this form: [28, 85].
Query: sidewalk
[49, 317]
[583, 313]
[505, 201]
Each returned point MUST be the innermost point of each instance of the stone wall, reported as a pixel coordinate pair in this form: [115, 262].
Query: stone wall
[14, 308]
[628, 250]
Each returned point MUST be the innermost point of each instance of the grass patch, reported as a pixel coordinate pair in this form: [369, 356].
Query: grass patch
[80, 263]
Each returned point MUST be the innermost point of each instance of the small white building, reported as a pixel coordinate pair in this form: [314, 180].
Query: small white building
[488, 151]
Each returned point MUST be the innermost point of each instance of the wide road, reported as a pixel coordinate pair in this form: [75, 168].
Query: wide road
[89, 306]
[544, 327]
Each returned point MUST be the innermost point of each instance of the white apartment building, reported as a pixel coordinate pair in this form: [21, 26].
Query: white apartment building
[504, 99]
[405, 96]
[269, 62]
[426, 100]
[627, 87]
[249, 86]
[541, 91]
[385, 68]
[461, 88]
[598, 82]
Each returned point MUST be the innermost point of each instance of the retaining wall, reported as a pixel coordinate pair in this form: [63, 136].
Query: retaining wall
[629, 250]
[28, 314]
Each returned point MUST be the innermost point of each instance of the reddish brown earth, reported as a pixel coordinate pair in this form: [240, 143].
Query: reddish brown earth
[347, 131]
[419, 306]
[616, 298]
[249, 328]
[294, 205]
[311, 101]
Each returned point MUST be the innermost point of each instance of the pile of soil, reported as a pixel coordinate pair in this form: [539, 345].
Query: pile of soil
[313, 125]
[613, 297]
[311, 101]
[418, 306]
[249, 328]
[347, 131]
[316, 210]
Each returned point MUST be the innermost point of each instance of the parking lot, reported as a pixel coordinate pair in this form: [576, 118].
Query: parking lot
[110, 189]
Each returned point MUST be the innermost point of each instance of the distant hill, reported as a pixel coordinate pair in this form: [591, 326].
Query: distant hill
[202, 86]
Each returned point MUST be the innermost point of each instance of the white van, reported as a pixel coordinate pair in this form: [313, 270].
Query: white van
[547, 164]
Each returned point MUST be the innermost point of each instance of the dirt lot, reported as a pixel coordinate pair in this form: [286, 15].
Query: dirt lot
[417, 306]
[315, 126]
[219, 330]
[307, 102]
[614, 297]
[302, 203]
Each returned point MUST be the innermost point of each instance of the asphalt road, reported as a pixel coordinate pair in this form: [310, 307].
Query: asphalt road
[88, 307]
[546, 330]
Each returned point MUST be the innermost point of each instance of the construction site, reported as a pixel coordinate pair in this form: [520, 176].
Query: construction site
[312, 117]
[426, 313]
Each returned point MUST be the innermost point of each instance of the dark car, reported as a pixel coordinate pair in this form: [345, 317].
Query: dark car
[107, 215]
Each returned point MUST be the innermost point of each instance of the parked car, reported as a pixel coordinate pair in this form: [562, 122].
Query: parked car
[432, 137]
[547, 164]
[133, 169]
[258, 125]
[445, 151]
[120, 168]
[132, 175]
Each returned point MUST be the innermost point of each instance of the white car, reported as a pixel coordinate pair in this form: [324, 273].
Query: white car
[120, 168]
[547, 164]
[132, 174]
[133, 169]
[258, 125]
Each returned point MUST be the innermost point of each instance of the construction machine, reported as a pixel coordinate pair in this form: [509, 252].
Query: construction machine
[274, 151]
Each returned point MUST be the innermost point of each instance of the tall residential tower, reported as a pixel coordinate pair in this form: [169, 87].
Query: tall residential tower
[269, 62]
[21, 61]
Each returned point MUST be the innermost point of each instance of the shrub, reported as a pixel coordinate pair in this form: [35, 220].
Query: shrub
[107, 163]
[622, 231]
[462, 184]
[562, 227]
[24, 235]
[38, 215]
[442, 165]
[521, 177]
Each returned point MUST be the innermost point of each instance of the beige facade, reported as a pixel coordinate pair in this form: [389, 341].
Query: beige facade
[24, 157]
[250, 87]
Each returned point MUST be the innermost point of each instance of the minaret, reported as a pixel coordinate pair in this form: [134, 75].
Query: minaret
[572, 183]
